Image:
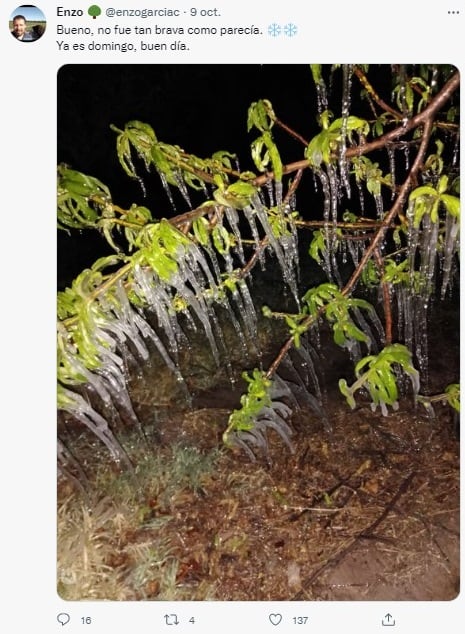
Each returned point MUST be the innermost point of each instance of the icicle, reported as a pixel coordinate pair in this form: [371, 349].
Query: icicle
[233, 219]
[398, 292]
[344, 168]
[291, 257]
[196, 275]
[353, 348]
[196, 259]
[104, 342]
[160, 302]
[412, 323]
[363, 324]
[242, 440]
[279, 408]
[249, 213]
[82, 411]
[125, 313]
[392, 168]
[455, 152]
[321, 96]
[428, 253]
[294, 244]
[334, 196]
[133, 336]
[343, 163]
[326, 217]
[315, 182]
[197, 303]
[148, 332]
[361, 196]
[142, 186]
[421, 337]
[145, 281]
[334, 191]
[122, 403]
[412, 241]
[65, 458]
[77, 368]
[224, 302]
[301, 393]
[206, 192]
[288, 272]
[343, 251]
[270, 417]
[450, 246]
[182, 187]
[379, 206]
[229, 264]
[278, 188]
[376, 321]
[167, 318]
[406, 298]
[270, 191]
[331, 77]
[167, 189]
[214, 261]
[305, 352]
[114, 379]
[248, 315]
[406, 149]
[402, 94]
[354, 252]
[434, 78]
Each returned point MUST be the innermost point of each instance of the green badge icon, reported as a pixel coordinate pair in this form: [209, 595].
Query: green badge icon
[94, 10]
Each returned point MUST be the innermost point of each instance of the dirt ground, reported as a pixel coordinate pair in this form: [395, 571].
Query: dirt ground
[366, 510]
[369, 511]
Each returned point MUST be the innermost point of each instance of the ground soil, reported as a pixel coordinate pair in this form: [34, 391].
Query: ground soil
[365, 508]
[369, 511]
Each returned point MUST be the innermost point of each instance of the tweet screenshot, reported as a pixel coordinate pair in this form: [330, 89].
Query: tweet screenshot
[231, 311]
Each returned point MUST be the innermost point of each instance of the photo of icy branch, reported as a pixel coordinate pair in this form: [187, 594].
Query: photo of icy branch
[258, 332]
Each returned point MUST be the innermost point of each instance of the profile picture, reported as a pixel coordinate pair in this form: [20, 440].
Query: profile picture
[27, 23]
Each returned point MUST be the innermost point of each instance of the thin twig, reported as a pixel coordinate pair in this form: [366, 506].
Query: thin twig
[290, 131]
[373, 94]
[366, 533]
[395, 209]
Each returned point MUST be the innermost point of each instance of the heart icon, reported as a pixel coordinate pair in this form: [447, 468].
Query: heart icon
[275, 618]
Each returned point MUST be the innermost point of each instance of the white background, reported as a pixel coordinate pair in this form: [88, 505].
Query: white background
[328, 32]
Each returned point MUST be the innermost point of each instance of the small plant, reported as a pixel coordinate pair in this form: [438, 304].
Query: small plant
[394, 229]
[378, 376]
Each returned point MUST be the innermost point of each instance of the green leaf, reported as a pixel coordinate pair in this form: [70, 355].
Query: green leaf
[453, 395]
[346, 391]
[258, 116]
[223, 158]
[221, 239]
[321, 147]
[423, 190]
[273, 151]
[260, 158]
[316, 73]
[238, 195]
[452, 204]
[200, 227]
[377, 375]
[352, 124]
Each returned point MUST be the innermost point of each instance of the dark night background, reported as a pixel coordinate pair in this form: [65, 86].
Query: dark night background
[202, 108]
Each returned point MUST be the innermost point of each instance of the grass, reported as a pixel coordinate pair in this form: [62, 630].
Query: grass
[194, 522]
[112, 544]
